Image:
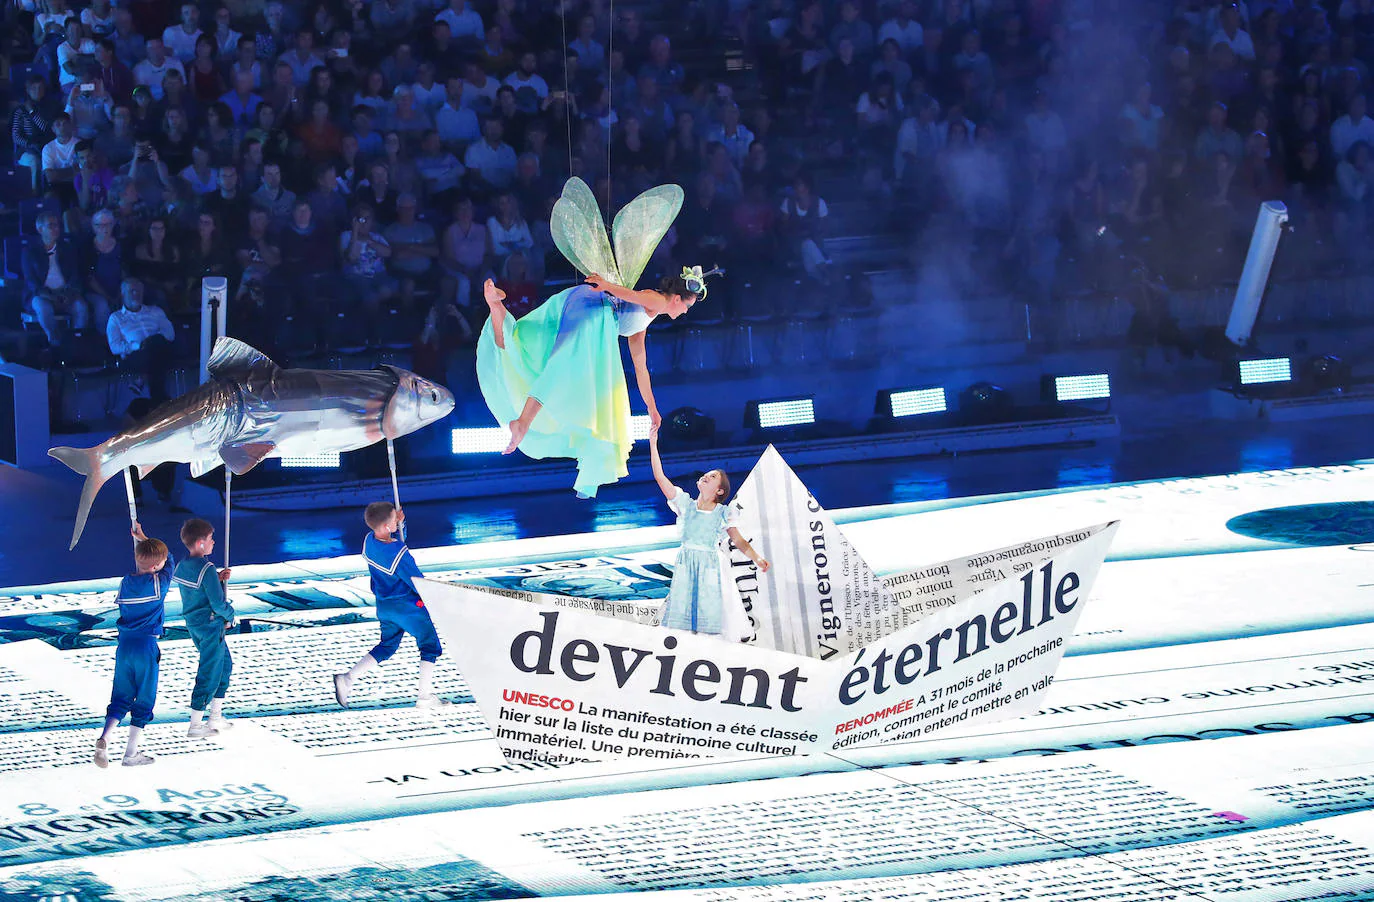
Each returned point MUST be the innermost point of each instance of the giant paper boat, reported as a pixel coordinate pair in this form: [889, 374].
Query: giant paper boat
[832, 656]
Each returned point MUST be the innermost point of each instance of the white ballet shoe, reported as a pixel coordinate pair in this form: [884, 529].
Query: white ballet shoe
[201, 730]
[342, 684]
[222, 724]
[137, 759]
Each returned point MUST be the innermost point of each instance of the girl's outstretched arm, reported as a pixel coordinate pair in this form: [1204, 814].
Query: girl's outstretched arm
[669, 490]
[648, 299]
[749, 552]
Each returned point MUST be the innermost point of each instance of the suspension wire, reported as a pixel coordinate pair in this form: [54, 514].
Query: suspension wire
[610, 94]
[567, 88]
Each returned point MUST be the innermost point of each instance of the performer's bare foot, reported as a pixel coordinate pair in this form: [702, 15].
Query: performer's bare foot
[518, 428]
[495, 298]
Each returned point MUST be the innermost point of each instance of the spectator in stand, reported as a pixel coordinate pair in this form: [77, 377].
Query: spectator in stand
[180, 39]
[130, 46]
[59, 158]
[661, 68]
[158, 264]
[529, 86]
[430, 94]
[465, 24]
[518, 283]
[729, 185]
[141, 337]
[203, 72]
[703, 227]
[319, 135]
[731, 135]
[31, 126]
[891, 64]
[491, 161]
[479, 89]
[226, 38]
[439, 171]
[457, 124]
[175, 143]
[507, 230]
[117, 78]
[414, 248]
[246, 60]
[376, 190]
[54, 282]
[407, 118]
[219, 135]
[903, 28]
[1259, 177]
[1355, 179]
[92, 180]
[200, 178]
[1146, 121]
[303, 60]
[1352, 127]
[591, 54]
[365, 253]
[1232, 35]
[854, 29]
[229, 203]
[328, 205]
[274, 139]
[117, 144]
[802, 228]
[209, 252]
[1217, 138]
[73, 55]
[464, 259]
[242, 102]
[104, 260]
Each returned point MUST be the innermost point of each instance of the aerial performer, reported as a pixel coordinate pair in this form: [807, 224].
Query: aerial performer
[554, 375]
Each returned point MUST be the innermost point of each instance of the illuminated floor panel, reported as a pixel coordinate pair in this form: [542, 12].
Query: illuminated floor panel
[1217, 690]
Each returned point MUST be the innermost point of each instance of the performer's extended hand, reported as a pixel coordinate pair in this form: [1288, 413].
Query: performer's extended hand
[597, 281]
[400, 516]
[137, 532]
[224, 574]
[493, 294]
[763, 564]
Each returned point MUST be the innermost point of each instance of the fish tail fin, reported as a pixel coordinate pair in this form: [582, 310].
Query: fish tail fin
[85, 461]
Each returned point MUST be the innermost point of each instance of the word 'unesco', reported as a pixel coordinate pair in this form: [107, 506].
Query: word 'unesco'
[973, 636]
[694, 678]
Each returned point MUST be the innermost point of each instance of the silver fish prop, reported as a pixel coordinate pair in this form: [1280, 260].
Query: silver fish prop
[252, 409]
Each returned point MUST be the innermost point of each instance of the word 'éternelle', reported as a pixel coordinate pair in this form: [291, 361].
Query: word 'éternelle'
[923, 658]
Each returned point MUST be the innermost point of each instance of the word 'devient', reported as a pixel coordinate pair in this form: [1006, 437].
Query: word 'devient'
[695, 678]
[923, 658]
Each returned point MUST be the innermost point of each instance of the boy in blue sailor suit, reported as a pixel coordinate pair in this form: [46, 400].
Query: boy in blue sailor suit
[208, 614]
[141, 596]
[399, 607]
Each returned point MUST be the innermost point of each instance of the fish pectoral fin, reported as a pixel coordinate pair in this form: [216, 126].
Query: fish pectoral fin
[242, 458]
[200, 467]
[232, 357]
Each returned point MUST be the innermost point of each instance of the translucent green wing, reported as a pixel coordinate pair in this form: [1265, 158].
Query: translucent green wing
[579, 232]
[640, 226]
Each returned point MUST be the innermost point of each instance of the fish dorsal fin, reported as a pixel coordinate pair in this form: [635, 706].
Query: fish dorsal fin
[232, 356]
[242, 458]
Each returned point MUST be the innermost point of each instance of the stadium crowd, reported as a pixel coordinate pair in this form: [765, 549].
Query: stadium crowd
[355, 169]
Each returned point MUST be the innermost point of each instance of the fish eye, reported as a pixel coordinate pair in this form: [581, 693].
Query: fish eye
[434, 396]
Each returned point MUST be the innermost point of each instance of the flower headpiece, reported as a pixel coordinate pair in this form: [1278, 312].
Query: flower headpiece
[696, 279]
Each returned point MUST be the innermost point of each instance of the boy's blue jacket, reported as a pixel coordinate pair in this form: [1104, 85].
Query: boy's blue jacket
[393, 571]
[202, 594]
[140, 602]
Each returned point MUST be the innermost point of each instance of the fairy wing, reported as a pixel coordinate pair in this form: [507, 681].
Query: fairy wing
[640, 226]
[579, 232]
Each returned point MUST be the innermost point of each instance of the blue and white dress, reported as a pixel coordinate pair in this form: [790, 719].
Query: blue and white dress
[695, 600]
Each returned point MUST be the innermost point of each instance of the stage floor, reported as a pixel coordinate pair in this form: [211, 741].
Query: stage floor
[1206, 737]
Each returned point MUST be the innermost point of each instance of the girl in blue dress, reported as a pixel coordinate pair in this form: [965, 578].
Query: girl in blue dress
[695, 600]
